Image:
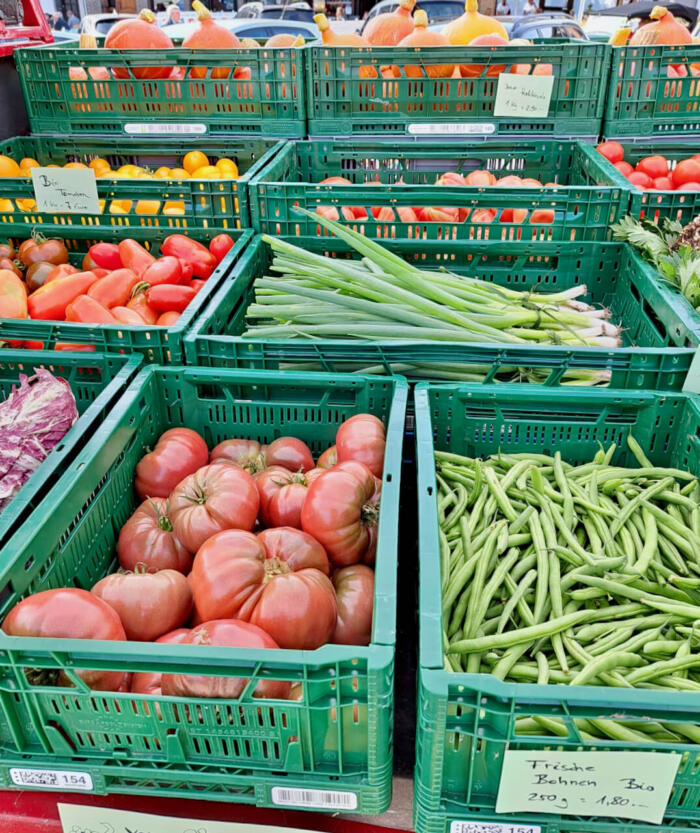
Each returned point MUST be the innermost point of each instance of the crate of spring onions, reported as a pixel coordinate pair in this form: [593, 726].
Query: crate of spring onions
[140, 83]
[50, 403]
[559, 554]
[537, 189]
[578, 313]
[401, 78]
[282, 693]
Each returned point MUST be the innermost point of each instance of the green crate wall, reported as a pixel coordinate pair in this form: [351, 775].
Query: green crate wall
[615, 275]
[682, 206]
[207, 202]
[343, 101]
[643, 101]
[96, 381]
[466, 721]
[584, 205]
[337, 737]
[156, 344]
[271, 102]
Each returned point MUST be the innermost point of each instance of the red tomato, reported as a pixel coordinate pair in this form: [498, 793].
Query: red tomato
[147, 682]
[689, 186]
[227, 633]
[87, 310]
[147, 538]
[354, 592]
[612, 151]
[124, 315]
[247, 454]
[662, 183]
[139, 304]
[653, 166]
[115, 289]
[289, 452]
[624, 168]
[220, 246]
[69, 613]
[178, 452]
[362, 438]
[282, 494]
[285, 593]
[148, 604]
[328, 459]
[168, 319]
[214, 498]
[164, 270]
[639, 179]
[687, 170]
[166, 297]
[339, 508]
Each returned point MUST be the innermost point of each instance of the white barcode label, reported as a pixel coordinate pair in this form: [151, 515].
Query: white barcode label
[319, 799]
[183, 128]
[491, 827]
[51, 779]
[438, 128]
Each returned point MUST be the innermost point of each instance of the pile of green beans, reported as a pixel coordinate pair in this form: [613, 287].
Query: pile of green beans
[572, 575]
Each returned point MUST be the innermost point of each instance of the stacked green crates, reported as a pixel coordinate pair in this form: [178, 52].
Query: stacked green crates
[334, 743]
[466, 722]
[402, 174]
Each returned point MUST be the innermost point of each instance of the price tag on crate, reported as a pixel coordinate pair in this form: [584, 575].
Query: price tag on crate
[628, 785]
[65, 190]
[523, 96]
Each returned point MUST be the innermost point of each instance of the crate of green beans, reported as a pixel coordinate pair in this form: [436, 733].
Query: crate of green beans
[559, 591]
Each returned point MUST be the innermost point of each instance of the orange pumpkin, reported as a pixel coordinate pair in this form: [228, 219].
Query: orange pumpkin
[209, 35]
[139, 33]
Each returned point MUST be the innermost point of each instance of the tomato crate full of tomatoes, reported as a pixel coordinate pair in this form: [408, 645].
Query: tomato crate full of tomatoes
[140, 182]
[134, 290]
[468, 722]
[539, 189]
[272, 678]
[168, 91]
[653, 91]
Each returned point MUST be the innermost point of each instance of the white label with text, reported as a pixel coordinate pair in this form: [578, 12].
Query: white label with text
[153, 129]
[692, 380]
[65, 190]
[51, 779]
[628, 785]
[440, 129]
[491, 827]
[320, 799]
[523, 96]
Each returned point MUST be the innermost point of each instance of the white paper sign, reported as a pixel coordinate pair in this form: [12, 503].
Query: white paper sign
[692, 380]
[81, 819]
[492, 827]
[445, 129]
[157, 128]
[628, 785]
[523, 96]
[51, 779]
[65, 190]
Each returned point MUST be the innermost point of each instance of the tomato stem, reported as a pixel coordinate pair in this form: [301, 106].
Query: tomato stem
[275, 567]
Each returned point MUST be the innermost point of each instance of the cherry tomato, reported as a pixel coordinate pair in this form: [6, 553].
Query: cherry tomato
[653, 166]
[687, 170]
[178, 453]
[624, 168]
[640, 179]
[612, 151]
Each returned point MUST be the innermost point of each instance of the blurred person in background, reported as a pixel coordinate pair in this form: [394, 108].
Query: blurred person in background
[174, 15]
[58, 22]
[339, 13]
[531, 7]
[73, 22]
[502, 7]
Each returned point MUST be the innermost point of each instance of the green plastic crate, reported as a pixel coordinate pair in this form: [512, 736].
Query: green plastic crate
[614, 273]
[205, 202]
[97, 381]
[643, 101]
[343, 101]
[466, 721]
[270, 103]
[583, 207]
[156, 344]
[337, 737]
[655, 205]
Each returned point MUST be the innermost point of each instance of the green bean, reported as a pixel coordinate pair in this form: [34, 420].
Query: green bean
[481, 602]
[542, 586]
[517, 599]
[482, 566]
[608, 662]
[664, 667]
[661, 646]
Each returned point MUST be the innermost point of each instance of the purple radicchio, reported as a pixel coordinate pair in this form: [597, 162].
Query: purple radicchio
[33, 419]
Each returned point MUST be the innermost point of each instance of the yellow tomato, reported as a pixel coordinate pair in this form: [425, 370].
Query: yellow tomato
[206, 172]
[147, 206]
[130, 170]
[180, 173]
[120, 207]
[174, 208]
[8, 167]
[75, 165]
[227, 168]
[28, 163]
[162, 173]
[26, 205]
[99, 165]
[52, 166]
[193, 160]
[6, 205]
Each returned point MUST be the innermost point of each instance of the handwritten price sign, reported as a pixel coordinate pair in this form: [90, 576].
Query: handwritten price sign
[523, 96]
[65, 190]
[629, 785]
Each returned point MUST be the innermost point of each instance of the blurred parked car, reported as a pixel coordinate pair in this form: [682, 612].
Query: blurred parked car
[257, 8]
[438, 11]
[99, 24]
[257, 27]
[544, 25]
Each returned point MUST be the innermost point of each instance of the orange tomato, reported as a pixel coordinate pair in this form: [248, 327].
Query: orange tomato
[180, 173]
[174, 208]
[28, 163]
[227, 168]
[8, 167]
[162, 173]
[75, 165]
[147, 206]
[194, 160]
[6, 205]
[206, 172]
